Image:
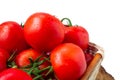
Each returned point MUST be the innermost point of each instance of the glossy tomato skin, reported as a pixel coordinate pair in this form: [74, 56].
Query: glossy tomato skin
[77, 35]
[22, 59]
[14, 74]
[4, 55]
[11, 37]
[43, 31]
[68, 61]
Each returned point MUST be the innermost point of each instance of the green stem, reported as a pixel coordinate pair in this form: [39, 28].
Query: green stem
[50, 70]
[44, 69]
[47, 59]
[12, 56]
[39, 77]
[31, 69]
[68, 20]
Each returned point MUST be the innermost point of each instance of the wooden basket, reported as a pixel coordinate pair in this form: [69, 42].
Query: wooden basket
[94, 66]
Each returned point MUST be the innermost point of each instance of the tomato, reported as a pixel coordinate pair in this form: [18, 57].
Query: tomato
[68, 61]
[77, 35]
[4, 55]
[43, 31]
[89, 57]
[22, 59]
[14, 74]
[11, 37]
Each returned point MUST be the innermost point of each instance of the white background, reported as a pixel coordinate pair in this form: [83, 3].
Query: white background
[100, 17]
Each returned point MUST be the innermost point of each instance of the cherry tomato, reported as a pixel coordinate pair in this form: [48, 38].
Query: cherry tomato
[43, 31]
[4, 55]
[77, 35]
[14, 74]
[68, 61]
[22, 59]
[89, 57]
[11, 37]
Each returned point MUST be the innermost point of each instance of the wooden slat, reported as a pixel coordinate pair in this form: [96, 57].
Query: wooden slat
[97, 58]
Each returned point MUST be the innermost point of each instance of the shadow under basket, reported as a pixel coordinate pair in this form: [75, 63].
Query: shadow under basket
[94, 66]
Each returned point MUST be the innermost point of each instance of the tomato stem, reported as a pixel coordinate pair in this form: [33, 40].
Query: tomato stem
[50, 70]
[44, 69]
[11, 58]
[22, 25]
[33, 68]
[68, 20]
[38, 77]
[10, 61]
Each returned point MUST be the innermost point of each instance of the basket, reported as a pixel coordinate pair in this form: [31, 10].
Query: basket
[94, 66]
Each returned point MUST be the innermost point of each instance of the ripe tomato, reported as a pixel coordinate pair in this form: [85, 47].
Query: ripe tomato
[22, 59]
[89, 57]
[4, 55]
[68, 61]
[14, 74]
[11, 37]
[76, 34]
[43, 31]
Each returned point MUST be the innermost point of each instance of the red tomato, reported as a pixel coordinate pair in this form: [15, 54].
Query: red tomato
[68, 61]
[22, 59]
[77, 35]
[14, 74]
[4, 55]
[43, 31]
[89, 57]
[11, 37]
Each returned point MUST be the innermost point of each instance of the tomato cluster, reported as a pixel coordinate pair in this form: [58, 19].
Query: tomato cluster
[43, 48]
